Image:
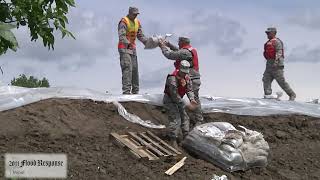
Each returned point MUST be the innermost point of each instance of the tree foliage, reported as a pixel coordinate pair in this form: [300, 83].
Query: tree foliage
[29, 82]
[42, 17]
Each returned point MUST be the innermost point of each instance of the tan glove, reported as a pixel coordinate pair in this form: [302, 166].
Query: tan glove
[162, 43]
[192, 106]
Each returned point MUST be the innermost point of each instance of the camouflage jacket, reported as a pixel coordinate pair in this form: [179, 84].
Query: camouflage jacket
[172, 52]
[172, 84]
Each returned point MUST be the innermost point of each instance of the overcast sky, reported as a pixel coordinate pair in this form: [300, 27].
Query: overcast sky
[229, 36]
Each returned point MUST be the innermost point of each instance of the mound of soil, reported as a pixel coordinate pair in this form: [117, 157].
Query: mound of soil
[81, 128]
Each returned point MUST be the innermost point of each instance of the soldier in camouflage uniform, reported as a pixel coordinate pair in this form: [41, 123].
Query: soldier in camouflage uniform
[129, 29]
[186, 52]
[273, 53]
[177, 85]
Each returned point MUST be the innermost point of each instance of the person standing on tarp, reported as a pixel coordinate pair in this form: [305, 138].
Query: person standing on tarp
[177, 85]
[129, 29]
[186, 52]
[274, 54]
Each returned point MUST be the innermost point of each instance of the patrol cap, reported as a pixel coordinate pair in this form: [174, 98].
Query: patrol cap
[184, 66]
[271, 29]
[133, 10]
[184, 39]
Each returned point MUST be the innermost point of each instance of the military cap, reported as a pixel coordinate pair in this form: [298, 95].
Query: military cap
[271, 29]
[184, 39]
[133, 10]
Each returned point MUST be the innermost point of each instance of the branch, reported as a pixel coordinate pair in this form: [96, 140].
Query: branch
[11, 21]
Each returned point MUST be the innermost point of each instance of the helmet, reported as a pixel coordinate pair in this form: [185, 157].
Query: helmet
[184, 66]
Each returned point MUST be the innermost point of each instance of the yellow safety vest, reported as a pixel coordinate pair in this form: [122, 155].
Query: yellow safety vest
[132, 31]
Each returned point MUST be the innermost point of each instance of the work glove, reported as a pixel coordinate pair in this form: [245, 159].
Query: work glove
[162, 42]
[130, 46]
[192, 106]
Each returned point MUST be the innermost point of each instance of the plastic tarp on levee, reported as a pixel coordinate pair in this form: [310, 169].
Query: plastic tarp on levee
[12, 97]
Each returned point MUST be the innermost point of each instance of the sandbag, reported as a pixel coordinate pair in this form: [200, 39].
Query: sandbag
[227, 147]
[152, 42]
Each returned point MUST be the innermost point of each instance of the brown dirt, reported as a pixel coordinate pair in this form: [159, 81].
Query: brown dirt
[81, 128]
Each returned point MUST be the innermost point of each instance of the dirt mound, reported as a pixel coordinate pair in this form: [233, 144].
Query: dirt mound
[81, 128]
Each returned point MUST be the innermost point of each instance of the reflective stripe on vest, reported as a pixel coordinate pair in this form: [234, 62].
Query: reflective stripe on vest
[195, 61]
[181, 90]
[132, 31]
[270, 49]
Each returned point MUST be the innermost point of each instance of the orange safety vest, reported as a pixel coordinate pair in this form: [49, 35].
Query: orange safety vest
[132, 31]
[270, 49]
[182, 90]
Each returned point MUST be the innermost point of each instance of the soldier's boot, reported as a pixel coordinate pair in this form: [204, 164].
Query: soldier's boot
[184, 134]
[292, 97]
[135, 92]
[174, 144]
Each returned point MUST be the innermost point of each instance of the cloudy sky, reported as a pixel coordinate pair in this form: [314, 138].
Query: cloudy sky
[229, 36]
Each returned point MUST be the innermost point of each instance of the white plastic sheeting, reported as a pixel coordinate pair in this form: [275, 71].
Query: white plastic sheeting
[257, 107]
[223, 145]
[134, 118]
[12, 97]
[222, 177]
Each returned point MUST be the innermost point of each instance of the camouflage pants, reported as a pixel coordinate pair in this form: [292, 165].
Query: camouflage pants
[178, 117]
[130, 74]
[197, 113]
[276, 73]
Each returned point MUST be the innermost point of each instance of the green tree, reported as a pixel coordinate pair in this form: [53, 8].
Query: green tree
[42, 17]
[29, 82]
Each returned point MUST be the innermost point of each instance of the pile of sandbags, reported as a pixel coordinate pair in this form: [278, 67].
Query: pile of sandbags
[223, 145]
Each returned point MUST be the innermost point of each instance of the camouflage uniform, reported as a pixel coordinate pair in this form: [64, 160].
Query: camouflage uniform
[174, 104]
[128, 60]
[275, 70]
[184, 54]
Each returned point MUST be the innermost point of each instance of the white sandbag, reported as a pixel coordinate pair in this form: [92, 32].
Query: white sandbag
[152, 42]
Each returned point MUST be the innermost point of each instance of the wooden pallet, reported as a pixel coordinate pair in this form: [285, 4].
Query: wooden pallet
[145, 145]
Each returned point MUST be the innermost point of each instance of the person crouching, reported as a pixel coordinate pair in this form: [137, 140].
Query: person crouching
[177, 85]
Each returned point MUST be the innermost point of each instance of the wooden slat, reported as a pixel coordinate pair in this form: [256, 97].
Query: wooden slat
[146, 144]
[141, 149]
[135, 154]
[176, 167]
[168, 153]
[134, 141]
[129, 145]
[152, 156]
[164, 143]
